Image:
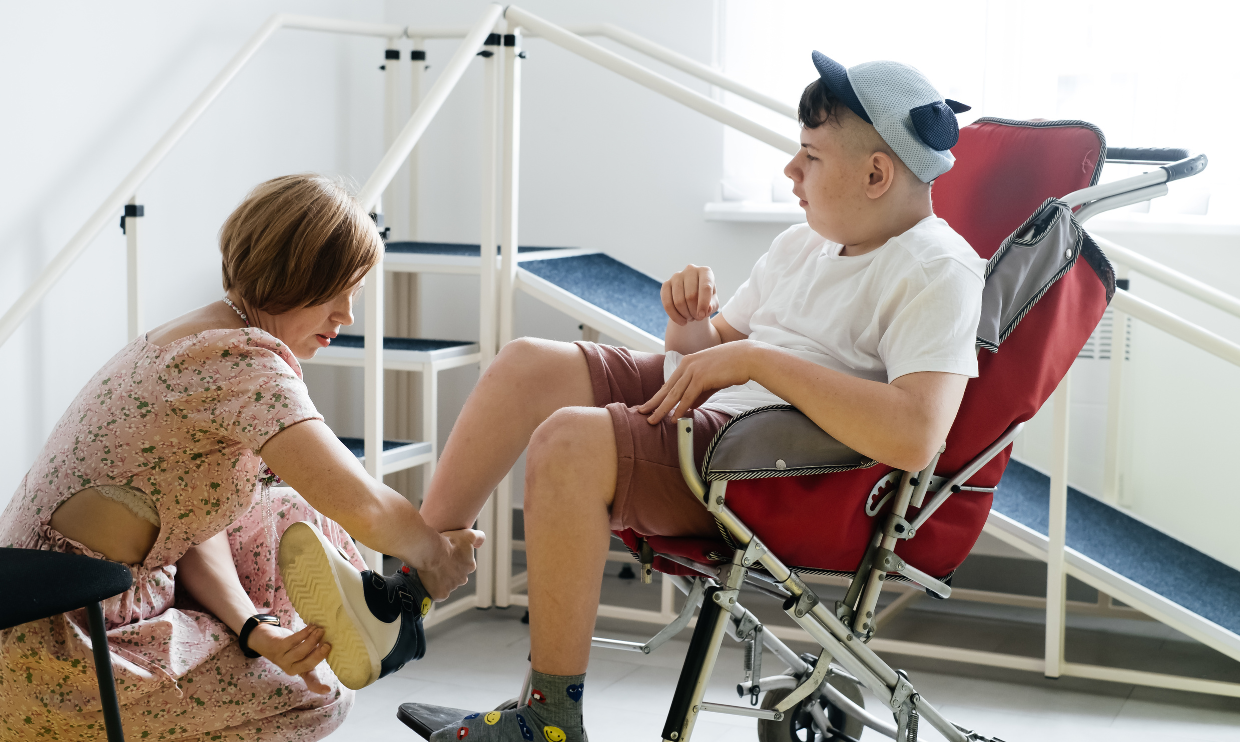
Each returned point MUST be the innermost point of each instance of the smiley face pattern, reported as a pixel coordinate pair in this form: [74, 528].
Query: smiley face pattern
[552, 714]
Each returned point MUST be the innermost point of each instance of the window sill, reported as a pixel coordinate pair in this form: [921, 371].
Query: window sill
[754, 211]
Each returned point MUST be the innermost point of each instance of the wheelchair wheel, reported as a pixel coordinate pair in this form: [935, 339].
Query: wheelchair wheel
[508, 705]
[798, 724]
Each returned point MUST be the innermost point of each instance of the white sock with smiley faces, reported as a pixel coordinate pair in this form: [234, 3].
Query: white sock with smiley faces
[553, 714]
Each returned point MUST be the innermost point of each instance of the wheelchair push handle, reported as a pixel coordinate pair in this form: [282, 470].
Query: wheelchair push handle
[1185, 168]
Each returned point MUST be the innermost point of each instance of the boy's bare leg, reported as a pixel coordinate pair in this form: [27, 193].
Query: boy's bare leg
[528, 381]
[570, 481]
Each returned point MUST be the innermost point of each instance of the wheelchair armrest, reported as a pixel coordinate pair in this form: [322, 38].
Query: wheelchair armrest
[776, 441]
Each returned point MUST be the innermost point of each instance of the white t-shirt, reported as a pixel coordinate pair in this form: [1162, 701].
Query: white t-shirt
[911, 305]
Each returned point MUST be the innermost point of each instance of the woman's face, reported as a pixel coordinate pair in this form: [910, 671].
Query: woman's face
[307, 329]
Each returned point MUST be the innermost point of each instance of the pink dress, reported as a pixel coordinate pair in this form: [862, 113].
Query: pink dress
[182, 422]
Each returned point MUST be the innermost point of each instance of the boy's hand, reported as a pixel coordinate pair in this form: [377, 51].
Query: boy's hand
[689, 296]
[698, 376]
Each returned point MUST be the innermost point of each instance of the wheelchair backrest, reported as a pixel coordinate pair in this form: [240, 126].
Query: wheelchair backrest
[1000, 195]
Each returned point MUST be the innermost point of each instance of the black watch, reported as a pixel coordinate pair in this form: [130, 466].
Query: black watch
[252, 623]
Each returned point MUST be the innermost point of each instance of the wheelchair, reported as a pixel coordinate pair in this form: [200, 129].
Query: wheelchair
[790, 500]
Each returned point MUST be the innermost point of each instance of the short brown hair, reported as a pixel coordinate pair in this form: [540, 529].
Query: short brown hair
[818, 106]
[297, 241]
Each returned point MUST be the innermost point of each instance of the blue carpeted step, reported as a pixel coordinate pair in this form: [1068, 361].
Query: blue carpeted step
[397, 455]
[609, 285]
[450, 248]
[357, 446]
[1145, 555]
[422, 345]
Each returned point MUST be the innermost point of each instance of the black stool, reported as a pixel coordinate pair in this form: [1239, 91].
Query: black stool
[39, 584]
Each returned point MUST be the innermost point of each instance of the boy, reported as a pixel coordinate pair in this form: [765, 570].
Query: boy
[864, 318]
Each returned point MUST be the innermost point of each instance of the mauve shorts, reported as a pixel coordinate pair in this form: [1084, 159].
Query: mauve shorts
[651, 496]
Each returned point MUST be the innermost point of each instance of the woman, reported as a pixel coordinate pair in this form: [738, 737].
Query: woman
[164, 462]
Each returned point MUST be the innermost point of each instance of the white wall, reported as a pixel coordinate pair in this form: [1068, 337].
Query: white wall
[87, 89]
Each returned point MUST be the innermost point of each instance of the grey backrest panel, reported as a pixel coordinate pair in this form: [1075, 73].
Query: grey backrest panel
[1025, 266]
[777, 441]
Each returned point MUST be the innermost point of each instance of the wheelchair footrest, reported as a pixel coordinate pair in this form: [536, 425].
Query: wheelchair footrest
[426, 719]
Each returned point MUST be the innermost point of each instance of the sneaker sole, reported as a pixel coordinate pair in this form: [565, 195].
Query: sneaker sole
[314, 588]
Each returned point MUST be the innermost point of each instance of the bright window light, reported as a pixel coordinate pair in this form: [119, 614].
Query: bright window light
[1149, 74]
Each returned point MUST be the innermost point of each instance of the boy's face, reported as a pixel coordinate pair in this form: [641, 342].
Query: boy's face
[831, 174]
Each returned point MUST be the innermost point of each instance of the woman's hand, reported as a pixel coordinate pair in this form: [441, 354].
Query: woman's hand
[294, 653]
[450, 565]
[689, 296]
[698, 376]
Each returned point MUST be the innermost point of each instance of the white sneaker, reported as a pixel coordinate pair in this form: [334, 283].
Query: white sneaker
[373, 623]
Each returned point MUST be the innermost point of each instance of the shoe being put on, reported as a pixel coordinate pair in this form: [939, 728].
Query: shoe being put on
[372, 622]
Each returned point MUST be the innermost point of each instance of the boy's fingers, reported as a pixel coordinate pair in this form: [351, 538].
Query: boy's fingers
[691, 294]
[678, 299]
[705, 295]
[665, 294]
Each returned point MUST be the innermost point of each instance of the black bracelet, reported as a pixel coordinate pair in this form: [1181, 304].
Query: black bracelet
[252, 623]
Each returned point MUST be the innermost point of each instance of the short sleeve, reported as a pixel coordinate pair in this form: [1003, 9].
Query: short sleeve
[243, 388]
[935, 310]
[740, 308]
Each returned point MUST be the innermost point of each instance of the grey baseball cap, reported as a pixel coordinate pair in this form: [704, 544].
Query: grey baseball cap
[916, 122]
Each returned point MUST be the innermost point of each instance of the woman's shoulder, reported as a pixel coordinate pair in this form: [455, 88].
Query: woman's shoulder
[245, 348]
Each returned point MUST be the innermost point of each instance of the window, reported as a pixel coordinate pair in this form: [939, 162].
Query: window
[1147, 73]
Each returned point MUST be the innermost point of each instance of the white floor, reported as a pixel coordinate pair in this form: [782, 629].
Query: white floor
[478, 660]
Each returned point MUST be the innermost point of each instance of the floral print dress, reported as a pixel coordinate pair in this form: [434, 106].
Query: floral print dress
[183, 423]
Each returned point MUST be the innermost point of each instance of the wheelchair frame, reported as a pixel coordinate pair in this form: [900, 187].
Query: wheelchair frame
[841, 631]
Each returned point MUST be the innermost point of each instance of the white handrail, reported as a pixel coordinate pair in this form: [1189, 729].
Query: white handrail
[642, 76]
[685, 64]
[106, 212]
[1176, 326]
[1173, 278]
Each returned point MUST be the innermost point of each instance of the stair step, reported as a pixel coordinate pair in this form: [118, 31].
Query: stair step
[600, 291]
[453, 257]
[397, 455]
[400, 354]
[1140, 565]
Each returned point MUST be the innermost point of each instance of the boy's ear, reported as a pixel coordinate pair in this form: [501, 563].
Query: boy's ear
[881, 175]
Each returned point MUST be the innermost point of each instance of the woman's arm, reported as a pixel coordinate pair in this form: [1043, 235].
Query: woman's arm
[208, 573]
[310, 458]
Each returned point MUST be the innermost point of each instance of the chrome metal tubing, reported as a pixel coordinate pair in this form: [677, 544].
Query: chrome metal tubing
[874, 581]
[841, 652]
[962, 476]
[1157, 176]
[1119, 201]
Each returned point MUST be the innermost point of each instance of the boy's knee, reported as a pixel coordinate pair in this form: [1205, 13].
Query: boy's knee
[525, 354]
[569, 440]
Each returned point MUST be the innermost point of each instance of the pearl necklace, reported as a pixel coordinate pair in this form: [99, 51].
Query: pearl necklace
[240, 313]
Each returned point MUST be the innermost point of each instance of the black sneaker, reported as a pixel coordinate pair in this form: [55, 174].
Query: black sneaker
[373, 622]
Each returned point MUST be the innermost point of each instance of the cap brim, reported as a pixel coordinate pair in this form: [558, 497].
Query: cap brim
[835, 77]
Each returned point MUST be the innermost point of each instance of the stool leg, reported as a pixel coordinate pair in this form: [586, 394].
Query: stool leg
[103, 670]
